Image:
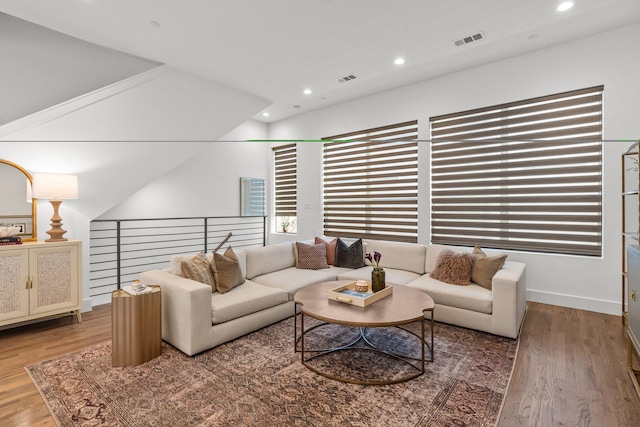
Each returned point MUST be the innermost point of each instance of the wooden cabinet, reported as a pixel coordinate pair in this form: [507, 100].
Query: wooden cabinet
[633, 315]
[630, 216]
[631, 258]
[39, 280]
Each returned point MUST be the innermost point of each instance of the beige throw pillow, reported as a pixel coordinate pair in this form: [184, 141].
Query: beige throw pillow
[198, 268]
[312, 257]
[485, 267]
[453, 268]
[226, 271]
[478, 252]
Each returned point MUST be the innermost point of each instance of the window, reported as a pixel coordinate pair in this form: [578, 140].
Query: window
[285, 186]
[371, 183]
[525, 175]
[251, 197]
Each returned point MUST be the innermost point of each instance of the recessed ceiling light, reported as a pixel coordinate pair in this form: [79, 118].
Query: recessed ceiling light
[399, 61]
[307, 91]
[265, 114]
[565, 5]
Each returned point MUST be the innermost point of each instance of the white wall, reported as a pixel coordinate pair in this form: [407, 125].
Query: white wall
[610, 58]
[122, 137]
[204, 185]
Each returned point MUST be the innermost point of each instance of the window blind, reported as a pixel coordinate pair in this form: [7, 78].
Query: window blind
[285, 181]
[371, 183]
[525, 175]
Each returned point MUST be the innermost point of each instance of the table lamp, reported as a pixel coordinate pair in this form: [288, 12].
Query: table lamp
[55, 188]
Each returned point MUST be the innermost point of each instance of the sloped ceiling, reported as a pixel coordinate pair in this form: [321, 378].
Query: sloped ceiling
[41, 67]
[274, 49]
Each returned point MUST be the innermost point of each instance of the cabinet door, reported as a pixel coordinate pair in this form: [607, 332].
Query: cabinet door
[54, 275]
[14, 295]
[633, 261]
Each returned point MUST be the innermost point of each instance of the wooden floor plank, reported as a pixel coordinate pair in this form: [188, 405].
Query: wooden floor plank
[20, 401]
[570, 369]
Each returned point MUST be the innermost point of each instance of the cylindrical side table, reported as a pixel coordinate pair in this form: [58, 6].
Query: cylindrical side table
[136, 327]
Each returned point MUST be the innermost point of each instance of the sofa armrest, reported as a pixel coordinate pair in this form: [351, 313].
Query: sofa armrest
[509, 298]
[186, 310]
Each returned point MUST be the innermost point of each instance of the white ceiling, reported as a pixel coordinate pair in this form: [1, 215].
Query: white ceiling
[275, 49]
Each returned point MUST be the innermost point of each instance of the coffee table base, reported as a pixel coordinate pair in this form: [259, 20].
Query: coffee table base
[361, 342]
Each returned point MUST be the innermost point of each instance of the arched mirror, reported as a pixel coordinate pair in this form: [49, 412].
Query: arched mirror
[17, 207]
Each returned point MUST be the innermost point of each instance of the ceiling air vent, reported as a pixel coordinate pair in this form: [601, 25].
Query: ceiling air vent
[347, 78]
[469, 39]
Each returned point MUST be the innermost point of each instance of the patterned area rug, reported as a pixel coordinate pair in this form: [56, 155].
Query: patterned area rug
[258, 380]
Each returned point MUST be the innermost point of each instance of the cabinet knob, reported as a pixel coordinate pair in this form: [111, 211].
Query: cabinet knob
[632, 295]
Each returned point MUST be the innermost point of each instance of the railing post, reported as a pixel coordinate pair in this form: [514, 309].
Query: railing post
[206, 240]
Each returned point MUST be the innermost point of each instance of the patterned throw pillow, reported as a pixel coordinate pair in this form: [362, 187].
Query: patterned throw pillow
[198, 268]
[349, 256]
[312, 257]
[226, 271]
[485, 267]
[453, 268]
[331, 249]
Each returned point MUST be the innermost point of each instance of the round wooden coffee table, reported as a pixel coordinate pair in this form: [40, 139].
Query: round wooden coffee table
[403, 307]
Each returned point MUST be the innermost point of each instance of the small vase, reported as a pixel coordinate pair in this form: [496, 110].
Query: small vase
[377, 280]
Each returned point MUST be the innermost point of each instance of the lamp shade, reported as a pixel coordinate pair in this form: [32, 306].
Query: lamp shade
[55, 186]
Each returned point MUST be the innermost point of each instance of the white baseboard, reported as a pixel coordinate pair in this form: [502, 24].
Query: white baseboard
[572, 301]
[86, 305]
[101, 299]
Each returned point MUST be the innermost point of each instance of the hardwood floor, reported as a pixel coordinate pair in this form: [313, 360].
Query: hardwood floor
[20, 401]
[570, 370]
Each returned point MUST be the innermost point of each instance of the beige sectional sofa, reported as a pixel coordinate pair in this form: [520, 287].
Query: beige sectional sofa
[194, 319]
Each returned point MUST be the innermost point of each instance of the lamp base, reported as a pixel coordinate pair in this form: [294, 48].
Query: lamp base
[56, 231]
[56, 235]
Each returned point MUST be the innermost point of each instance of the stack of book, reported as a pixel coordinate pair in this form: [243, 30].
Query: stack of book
[13, 240]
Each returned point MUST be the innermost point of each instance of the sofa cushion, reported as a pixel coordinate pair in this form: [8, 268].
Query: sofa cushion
[336, 271]
[392, 276]
[331, 249]
[270, 258]
[293, 279]
[453, 268]
[198, 268]
[399, 255]
[350, 256]
[473, 297]
[311, 257]
[243, 300]
[226, 271]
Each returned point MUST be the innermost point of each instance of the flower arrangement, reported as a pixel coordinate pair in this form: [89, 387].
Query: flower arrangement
[374, 259]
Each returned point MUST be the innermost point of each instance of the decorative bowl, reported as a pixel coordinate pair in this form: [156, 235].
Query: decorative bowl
[8, 231]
